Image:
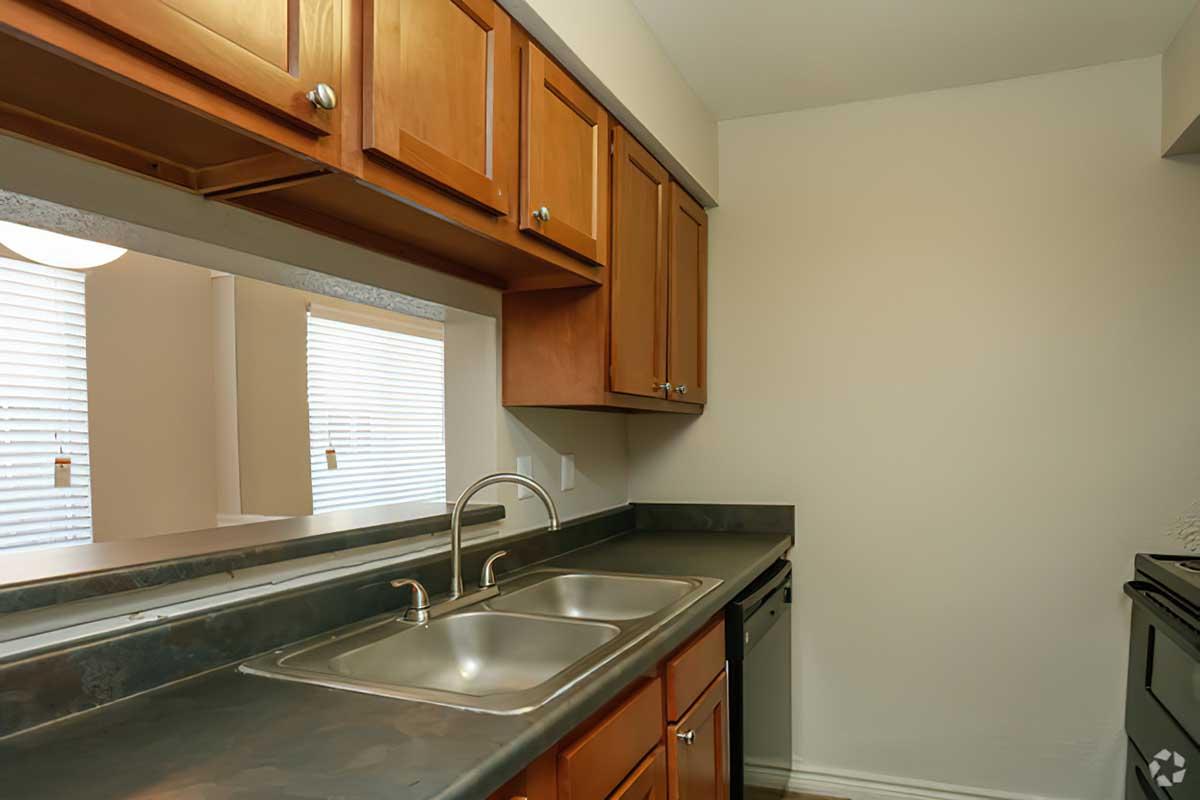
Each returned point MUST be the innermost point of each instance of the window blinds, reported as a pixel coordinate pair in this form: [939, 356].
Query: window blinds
[376, 395]
[43, 407]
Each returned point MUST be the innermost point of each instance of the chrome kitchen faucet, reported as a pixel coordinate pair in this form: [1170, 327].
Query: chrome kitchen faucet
[487, 580]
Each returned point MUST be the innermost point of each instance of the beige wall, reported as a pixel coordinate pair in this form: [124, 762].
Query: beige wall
[1181, 88]
[150, 398]
[610, 40]
[482, 437]
[272, 399]
[961, 332]
[225, 399]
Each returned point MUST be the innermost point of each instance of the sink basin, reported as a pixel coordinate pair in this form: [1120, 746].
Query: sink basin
[594, 596]
[508, 654]
[475, 653]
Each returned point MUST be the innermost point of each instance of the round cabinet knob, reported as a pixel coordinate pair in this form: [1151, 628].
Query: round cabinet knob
[661, 387]
[323, 96]
[542, 214]
[686, 738]
[681, 388]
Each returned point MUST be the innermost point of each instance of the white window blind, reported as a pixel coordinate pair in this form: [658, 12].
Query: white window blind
[43, 407]
[376, 395]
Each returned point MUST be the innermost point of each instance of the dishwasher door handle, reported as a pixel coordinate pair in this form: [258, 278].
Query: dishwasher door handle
[749, 602]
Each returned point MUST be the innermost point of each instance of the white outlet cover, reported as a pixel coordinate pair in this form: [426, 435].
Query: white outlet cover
[524, 467]
[568, 471]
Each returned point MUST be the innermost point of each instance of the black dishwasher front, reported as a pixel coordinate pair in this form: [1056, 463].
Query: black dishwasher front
[758, 644]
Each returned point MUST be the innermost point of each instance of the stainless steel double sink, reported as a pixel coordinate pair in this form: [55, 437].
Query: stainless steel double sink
[508, 654]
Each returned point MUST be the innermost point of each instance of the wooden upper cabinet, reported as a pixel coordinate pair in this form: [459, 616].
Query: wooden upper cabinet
[687, 281]
[564, 160]
[433, 72]
[638, 277]
[698, 749]
[271, 52]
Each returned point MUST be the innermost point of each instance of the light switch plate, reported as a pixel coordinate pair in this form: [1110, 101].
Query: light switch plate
[524, 467]
[568, 471]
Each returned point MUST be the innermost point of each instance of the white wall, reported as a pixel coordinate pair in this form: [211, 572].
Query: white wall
[612, 50]
[961, 332]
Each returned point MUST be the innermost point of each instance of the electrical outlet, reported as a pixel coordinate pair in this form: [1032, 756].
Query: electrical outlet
[524, 467]
[568, 471]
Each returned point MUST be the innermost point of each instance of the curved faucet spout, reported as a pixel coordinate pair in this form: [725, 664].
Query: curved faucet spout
[456, 581]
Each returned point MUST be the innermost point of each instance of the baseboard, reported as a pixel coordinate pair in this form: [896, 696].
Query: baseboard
[801, 778]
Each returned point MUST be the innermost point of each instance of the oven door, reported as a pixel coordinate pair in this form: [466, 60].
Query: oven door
[1162, 710]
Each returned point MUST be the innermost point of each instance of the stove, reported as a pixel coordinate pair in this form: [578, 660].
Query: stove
[1178, 574]
[1162, 702]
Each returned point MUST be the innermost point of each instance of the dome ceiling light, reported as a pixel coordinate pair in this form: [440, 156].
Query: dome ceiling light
[56, 249]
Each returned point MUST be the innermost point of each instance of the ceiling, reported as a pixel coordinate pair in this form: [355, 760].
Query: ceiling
[747, 57]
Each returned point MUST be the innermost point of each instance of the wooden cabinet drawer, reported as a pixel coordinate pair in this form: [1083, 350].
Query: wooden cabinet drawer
[648, 781]
[592, 767]
[693, 668]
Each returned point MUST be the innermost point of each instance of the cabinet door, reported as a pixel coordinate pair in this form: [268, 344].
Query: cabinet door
[433, 72]
[638, 347]
[698, 748]
[648, 781]
[272, 52]
[564, 160]
[687, 315]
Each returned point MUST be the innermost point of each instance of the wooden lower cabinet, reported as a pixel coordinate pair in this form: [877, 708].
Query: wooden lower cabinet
[648, 781]
[631, 750]
[698, 748]
[594, 760]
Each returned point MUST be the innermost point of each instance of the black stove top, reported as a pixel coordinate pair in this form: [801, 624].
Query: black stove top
[1178, 574]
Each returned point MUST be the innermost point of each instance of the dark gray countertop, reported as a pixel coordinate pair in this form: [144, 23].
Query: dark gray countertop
[224, 735]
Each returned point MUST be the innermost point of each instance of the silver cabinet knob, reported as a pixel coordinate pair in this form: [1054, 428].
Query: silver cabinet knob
[681, 388]
[542, 214]
[662, 387]
[487, 578]
[323, 96]
[687, 738]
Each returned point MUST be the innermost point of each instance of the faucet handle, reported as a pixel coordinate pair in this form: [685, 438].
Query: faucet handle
[418, 611]
[487, 578]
